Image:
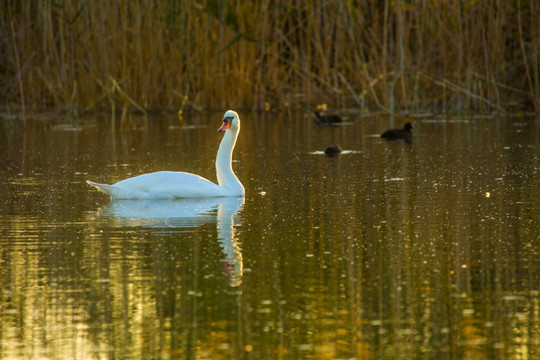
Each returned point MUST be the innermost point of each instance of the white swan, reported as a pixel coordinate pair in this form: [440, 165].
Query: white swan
[171, 184]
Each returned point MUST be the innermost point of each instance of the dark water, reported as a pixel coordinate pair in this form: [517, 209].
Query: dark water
[429, 250]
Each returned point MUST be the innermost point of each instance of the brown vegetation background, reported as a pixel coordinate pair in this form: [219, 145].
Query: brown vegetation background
[409, 55]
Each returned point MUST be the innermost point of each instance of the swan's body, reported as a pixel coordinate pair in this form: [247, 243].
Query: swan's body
[171, 184]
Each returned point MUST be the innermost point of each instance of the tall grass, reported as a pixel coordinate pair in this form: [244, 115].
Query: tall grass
[393, 55]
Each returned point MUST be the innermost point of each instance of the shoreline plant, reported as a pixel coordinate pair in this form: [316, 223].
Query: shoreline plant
[400, 55]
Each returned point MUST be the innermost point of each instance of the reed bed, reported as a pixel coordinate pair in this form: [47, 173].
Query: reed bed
[394, 55]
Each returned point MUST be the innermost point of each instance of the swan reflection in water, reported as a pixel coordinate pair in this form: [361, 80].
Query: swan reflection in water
[177, 215]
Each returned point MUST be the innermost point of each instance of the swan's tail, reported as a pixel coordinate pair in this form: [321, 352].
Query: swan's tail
[110, 190]
[107, 189]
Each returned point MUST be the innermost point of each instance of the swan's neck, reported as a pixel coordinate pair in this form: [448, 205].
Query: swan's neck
[225, 174]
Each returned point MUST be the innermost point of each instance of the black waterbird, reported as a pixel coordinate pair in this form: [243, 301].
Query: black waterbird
[326, 119]
[399, 134]
[333, 150]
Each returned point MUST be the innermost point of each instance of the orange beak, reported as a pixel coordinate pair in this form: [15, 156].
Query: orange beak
[226, 125]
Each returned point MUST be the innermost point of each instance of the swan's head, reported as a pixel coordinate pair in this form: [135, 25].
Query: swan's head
[230, 121]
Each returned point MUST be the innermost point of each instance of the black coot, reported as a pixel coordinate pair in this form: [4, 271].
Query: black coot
[399, 134]
[326, 119]
[333, 150]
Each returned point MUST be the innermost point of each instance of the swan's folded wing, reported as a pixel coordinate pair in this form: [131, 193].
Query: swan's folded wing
[170, 184]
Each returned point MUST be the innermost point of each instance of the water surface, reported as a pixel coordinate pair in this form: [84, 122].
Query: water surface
[388, 251]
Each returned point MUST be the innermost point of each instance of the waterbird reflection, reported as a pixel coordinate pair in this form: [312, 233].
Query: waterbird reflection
[178, 215]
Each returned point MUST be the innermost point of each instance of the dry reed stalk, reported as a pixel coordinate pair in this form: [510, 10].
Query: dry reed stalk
[18, 67]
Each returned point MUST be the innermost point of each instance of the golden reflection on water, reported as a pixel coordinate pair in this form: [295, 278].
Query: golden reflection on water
[390, 250]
